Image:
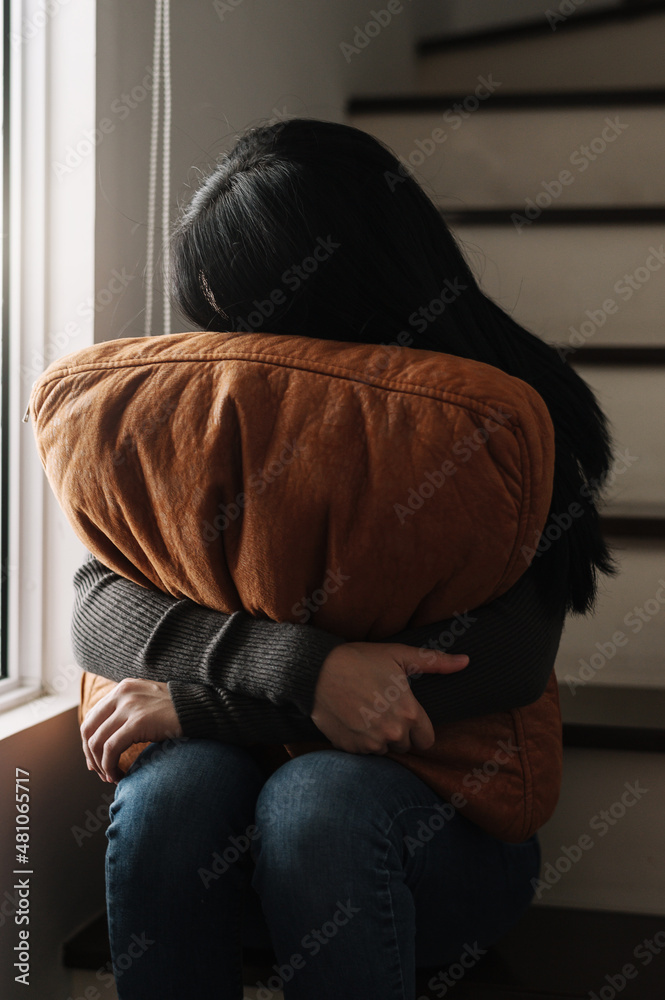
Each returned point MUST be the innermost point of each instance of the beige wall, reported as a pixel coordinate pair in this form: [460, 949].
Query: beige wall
[230, 69]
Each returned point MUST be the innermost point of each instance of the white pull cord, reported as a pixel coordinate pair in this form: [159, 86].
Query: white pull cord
[161, 64]
[166, 164]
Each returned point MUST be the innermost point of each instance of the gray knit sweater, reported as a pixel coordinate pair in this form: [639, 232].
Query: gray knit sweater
[245, 680]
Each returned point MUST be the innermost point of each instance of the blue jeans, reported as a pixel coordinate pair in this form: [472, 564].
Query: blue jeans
[348, 865]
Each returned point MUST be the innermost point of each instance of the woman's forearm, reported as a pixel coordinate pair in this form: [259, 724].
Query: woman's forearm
[120, 629]
[245, 680]
[511, 643]
[235, 718]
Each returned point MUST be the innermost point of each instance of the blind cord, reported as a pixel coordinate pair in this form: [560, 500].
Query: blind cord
[161, 64]
[166, 165]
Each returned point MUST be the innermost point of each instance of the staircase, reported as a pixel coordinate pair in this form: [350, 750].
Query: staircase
[544, 150]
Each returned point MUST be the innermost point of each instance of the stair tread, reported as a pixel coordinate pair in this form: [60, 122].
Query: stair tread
[528, 29]
[517, 101]
[547, 954]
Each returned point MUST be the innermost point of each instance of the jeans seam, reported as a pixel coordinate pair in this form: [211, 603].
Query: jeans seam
[389, 847]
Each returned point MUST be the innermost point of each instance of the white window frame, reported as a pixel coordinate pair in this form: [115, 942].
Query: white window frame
[52, 253]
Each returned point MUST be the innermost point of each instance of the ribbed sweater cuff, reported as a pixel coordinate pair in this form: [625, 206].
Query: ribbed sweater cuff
[221, 715]
[285, 667]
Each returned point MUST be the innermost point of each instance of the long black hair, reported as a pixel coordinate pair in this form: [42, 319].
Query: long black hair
[316, 229]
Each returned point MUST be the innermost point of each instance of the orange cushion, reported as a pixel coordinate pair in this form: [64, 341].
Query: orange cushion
[363, 489]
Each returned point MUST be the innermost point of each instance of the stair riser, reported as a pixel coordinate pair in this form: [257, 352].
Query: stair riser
[530, 160]
[624, 868]
[633, 398]
[625, 54]
[623, 643]
[581, 286]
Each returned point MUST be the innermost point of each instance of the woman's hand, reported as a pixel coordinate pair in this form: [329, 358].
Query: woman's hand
[134, 711]
[363, 702]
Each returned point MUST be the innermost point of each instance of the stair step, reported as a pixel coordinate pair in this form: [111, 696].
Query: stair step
[623, 643]
[604, 215]
[589, 16]
[636, 526]
[560, 953]
[552, 952]
[624, 869]
[593, 707]
[88, 948]
[533, 151]
[579, 285]
[619, 355]
[614, 737]
[633, 397]
[555, 99]
[622, 47]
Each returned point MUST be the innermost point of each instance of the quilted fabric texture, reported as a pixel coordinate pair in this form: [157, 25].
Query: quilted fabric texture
[381, 488]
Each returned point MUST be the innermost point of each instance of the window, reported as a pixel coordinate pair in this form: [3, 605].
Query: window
[4, 357]
[48, 252]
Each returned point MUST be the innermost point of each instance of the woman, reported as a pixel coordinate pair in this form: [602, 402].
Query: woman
[340, 858]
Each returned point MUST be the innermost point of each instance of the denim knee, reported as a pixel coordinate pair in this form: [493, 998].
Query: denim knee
[195, 792]
[321, 802]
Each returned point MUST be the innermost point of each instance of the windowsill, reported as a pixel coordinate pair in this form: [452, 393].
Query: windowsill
[34, 710]
[13, 693]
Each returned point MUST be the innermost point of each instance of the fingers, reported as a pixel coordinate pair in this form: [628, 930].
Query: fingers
[101, 748]
[96, 717]
[113, 748]
[422, 731]
[434, 661]
[411, 730]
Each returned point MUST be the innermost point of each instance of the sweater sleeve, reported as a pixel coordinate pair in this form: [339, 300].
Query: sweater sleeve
[247, 680]
[120, 629]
